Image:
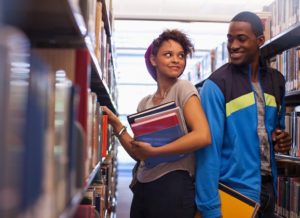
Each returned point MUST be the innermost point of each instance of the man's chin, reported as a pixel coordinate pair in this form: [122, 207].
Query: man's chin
[238, 62]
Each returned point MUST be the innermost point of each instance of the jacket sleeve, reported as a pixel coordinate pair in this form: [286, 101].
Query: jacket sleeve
[208, 158]
[282, 108]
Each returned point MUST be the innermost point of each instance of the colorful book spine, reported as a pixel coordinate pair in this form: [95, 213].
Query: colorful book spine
[155, 124]
[131, 118]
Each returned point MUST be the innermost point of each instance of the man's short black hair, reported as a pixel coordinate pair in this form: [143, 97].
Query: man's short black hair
[253, 19]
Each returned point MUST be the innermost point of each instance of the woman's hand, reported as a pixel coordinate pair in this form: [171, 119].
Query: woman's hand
[282, 141]
[112, 119]
[142, 150]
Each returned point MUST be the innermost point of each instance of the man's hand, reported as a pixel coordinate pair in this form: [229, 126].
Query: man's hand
[282, 141]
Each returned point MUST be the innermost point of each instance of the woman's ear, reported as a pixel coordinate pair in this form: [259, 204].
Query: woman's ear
[152, 60]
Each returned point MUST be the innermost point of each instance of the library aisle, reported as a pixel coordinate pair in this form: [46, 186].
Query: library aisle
[124, 194]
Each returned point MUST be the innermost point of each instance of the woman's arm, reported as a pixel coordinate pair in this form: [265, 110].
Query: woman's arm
[124, 138]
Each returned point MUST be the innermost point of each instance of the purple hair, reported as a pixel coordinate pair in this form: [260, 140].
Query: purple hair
[166, 35]
[151, 69]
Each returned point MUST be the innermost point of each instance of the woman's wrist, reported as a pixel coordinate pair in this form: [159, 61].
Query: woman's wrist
[119, 129]
[120, 132]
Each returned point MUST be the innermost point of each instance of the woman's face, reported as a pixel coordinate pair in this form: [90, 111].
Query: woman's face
[170, 60]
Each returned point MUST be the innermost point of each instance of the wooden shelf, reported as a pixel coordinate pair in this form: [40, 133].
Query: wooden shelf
[292, 98]
[287, 158]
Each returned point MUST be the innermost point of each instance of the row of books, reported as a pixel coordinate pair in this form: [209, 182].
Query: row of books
[288, 63]
[209, 63]
[97, 14]
[99, 199]
[292, 123]
[287, 204]
[284, 14]
[52, 128]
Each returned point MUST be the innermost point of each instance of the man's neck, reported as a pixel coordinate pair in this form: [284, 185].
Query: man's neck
[254, 71]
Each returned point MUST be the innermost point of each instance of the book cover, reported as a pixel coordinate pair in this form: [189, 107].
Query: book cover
[236, 205]
[72, 143]
[33, 168]
[131, 118]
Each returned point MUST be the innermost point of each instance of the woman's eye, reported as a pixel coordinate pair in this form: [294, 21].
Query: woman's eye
[168, 54]
[182, 56]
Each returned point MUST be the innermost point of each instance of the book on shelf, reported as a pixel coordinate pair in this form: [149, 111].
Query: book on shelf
[288, 188]
[292, 123]
[104, 135]
[76, 64]
[159, 126]
[234, 204]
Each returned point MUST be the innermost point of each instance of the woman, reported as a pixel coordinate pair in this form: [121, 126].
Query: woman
[167, 190]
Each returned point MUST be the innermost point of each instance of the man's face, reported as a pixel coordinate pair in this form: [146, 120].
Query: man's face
[243, 45]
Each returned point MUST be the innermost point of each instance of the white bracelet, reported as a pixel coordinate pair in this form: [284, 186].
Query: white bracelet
[120, 133]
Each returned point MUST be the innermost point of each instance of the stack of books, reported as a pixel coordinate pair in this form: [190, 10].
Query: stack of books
[159, 126]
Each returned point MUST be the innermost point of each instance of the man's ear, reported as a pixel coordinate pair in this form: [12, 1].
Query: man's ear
[260, 40]
[152, 60]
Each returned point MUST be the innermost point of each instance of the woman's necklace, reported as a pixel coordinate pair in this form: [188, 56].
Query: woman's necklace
[158, 96]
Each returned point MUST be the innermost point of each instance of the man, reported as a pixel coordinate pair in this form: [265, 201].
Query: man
[244, 104]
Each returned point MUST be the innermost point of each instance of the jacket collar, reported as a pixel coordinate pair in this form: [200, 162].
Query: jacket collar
[244, 68]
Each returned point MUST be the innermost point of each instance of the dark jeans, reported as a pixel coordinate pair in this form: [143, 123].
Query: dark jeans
[171, 196]
[267, 198]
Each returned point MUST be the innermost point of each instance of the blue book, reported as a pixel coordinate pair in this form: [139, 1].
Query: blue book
[159, 138]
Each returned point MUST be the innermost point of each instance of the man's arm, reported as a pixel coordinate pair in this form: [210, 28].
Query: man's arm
[208, 158]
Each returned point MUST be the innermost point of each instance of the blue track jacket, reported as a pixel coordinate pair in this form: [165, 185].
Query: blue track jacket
[233, 157]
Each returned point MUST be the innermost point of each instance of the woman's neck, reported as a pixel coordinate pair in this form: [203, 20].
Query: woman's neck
[162, 92]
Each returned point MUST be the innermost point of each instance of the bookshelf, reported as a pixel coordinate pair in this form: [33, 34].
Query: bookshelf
[70, 210]
[59, 24]
[277, 48]
[64, 29]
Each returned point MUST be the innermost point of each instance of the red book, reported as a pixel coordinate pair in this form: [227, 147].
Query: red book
[155, 124]
[104, 133]
[85, 211]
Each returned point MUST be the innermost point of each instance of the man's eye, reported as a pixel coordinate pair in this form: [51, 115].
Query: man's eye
[242, 38]
[230, 39]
